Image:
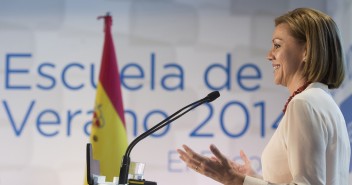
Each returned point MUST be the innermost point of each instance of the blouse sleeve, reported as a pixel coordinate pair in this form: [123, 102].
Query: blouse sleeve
[306, 138]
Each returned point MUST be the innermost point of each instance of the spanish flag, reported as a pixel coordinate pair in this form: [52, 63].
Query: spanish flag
[108, 134]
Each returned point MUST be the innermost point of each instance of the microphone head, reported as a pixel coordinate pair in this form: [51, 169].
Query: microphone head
[212, 96]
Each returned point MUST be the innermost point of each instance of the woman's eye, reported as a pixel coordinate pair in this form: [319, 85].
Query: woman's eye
[276, 46]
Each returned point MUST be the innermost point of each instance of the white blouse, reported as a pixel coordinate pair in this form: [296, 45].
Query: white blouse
[310, 145]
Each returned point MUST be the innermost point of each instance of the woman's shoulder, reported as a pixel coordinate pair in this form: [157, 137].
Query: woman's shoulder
[316, 98]
[314, 92]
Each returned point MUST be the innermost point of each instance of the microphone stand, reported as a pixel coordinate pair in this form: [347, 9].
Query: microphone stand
[123, 177]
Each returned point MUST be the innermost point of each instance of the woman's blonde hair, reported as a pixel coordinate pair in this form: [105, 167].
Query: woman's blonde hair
[324, 60]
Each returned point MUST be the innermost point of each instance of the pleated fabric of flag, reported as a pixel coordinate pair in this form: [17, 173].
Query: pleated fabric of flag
[108, 133]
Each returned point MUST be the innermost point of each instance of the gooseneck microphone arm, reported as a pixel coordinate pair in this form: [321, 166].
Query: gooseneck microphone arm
[123, 177]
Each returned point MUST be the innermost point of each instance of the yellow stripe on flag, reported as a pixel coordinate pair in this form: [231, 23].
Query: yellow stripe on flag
[108, 137]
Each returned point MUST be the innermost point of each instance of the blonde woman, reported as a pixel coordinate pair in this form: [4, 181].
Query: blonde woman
[311, 144]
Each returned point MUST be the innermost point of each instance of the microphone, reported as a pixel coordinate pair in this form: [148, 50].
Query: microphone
[123, 177]
[212, 96]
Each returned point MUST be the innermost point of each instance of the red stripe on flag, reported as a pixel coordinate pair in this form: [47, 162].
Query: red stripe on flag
[109, 74]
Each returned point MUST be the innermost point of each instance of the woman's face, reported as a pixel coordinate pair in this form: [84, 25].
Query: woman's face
[287, 56]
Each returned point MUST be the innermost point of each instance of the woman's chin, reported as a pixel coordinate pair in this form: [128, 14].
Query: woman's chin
[278, 82]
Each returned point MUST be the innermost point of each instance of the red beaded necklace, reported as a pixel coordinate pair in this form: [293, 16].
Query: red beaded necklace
[299, 90]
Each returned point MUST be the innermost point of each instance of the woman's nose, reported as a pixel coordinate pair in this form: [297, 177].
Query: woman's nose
[270, 56]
